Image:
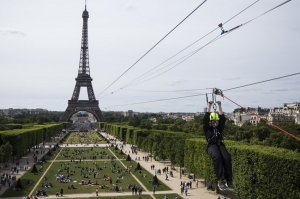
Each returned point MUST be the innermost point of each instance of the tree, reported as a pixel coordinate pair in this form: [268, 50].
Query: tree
[138, 166]
[128, 158]
[155, 181]
[34, 169]
[19, 184]
[1, 153]
[134, 121]
[7, 152]
[262, 133]
[174, 127]
[146, 124]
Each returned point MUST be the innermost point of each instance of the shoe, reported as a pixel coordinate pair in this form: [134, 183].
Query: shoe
[221, 185]
[229, 186]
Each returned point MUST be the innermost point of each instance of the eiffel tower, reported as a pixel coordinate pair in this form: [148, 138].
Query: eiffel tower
[83, 80]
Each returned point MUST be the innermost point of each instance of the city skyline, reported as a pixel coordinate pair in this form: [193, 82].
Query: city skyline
[40, 48]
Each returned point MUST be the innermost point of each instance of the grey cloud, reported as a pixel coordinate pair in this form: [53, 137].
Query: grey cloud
[11, 31]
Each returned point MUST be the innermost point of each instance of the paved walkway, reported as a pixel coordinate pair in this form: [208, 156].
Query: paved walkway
[173, 182]
[27, 160]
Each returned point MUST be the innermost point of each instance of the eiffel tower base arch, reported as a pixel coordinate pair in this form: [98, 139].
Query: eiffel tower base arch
[82, 105]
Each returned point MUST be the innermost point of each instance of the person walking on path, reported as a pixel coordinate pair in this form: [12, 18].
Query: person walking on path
[153, 189]
[213, 126]
[61, 192]
[97, 192]
[185, 190]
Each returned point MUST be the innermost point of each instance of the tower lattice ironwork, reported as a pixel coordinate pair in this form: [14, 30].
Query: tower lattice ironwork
[83, 80]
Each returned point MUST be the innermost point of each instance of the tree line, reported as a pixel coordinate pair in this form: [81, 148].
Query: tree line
[262, 134]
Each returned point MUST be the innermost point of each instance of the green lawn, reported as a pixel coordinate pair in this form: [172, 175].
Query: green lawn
[157, 196]
[84, 153]
[82, 171]
[147, 180]
[84, 138]
[124, 197]
[28, 176]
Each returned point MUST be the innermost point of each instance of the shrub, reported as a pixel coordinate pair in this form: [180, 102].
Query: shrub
[155, 180]
[19, 184]
[138, 166]
[128, 158]
[34, 170]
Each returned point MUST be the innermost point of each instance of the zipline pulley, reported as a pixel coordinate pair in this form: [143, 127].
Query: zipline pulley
[215, 92]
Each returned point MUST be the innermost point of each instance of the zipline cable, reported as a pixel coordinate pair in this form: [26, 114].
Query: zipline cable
[226, 33]
[270, 123]
[167, 91]
[188, 46]
[159, 100]
[256, 17]
[153, 46]
[261, 82]
[186, 57]
[208, 93]
[189, 56]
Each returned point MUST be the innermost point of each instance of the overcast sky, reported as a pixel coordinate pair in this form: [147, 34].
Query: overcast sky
[40, 50]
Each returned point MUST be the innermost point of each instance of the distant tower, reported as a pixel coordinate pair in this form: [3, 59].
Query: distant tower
[83, 80]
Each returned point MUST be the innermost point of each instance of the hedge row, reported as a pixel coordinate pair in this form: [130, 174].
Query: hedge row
[23, 139]
[258, 171]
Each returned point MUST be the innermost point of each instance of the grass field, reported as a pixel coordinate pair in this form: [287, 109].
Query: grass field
[84, 138]
[85, 169]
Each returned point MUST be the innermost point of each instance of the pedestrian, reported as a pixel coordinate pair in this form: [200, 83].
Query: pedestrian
[213, 126]
[97, 192]
[61, 192]
[185, 190]
[153, 189]
[197, 183]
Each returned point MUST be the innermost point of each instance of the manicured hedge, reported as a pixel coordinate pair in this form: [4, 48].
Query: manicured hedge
[258, 172]
[23, 139]
[14, 126]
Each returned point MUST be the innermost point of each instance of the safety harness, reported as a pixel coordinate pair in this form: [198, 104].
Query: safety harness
[216, 138]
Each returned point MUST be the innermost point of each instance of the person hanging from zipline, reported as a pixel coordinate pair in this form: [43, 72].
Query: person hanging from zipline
[222, 29]
[213, 126]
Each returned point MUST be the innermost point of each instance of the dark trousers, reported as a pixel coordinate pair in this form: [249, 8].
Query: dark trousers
[221, 160]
